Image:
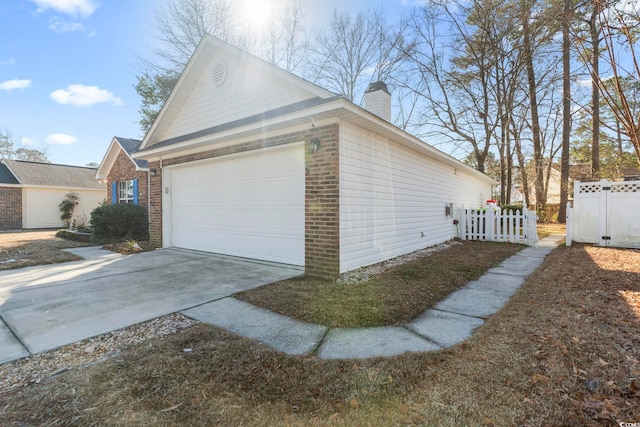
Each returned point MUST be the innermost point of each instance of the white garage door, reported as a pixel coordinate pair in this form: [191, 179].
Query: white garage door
[249, 205]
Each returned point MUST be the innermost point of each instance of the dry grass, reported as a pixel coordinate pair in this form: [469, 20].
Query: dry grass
[34, 248]
[393, 297]
[546, 229]
[564, 351]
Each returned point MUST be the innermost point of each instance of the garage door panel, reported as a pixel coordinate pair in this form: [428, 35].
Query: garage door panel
[250, 206]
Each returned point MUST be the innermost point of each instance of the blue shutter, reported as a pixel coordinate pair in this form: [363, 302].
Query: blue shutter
[114, 192]
[135, 191]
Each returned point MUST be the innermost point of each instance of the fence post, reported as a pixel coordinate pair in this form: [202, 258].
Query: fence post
[569, 224]
[489, 223]
[602, 211]
[462, 222]
[460, 227]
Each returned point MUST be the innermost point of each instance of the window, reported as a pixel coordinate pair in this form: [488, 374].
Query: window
[125, 191]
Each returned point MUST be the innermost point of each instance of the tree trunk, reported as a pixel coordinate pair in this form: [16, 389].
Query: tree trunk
[595, 93]
[523, 171]
[533, 101]
[566, 112]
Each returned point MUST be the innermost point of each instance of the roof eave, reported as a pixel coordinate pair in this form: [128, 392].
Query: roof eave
[337, 108]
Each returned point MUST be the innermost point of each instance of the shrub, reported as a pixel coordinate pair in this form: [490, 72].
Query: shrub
[122, 221]
[67, 207]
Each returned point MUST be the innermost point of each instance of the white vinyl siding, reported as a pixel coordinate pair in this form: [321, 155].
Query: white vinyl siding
[40, 205]
[249, 205]
[393, 199]
[247, 91]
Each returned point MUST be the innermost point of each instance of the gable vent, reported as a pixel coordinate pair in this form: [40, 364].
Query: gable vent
[219, 73]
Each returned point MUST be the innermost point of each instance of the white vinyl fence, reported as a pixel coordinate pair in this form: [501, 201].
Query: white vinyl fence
[605, 213]
[494, 225]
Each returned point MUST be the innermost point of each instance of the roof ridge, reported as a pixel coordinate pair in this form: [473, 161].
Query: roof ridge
[49, 164]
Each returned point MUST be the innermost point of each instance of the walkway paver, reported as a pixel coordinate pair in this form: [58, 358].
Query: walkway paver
[450, 322]
[443, 328]
[357, 343]
[279, 332]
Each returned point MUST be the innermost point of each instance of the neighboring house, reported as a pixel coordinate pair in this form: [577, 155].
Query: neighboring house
[553, 187]
[127, 178]
[516, 195]
[30, 193]
[248, 160]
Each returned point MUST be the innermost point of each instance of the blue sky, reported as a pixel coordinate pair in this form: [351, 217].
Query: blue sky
[68, 70]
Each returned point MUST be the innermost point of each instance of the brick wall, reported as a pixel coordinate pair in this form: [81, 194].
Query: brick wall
[155, 208]
[10, 208]
[322, 205]
[123, 170]
[322, 232]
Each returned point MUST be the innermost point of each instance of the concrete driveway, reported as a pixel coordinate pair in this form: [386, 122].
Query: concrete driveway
[45, 307]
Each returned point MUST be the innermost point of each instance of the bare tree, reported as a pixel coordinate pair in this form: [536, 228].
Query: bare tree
[12, 150]
[181, 24]
[566, 18]
[349, 52]
[620, 25]
[284, 41]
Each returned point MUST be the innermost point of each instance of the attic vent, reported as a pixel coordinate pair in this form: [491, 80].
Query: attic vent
[219, 73]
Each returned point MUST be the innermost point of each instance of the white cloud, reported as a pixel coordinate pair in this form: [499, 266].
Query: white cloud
[586, 82]
[28, 141]
[9, 61]
[84, 96]
[66, 27]
[60, 139]
[14, 84]
[70, 7]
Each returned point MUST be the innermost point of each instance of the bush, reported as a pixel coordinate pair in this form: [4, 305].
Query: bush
[122, 221]
[67, 206]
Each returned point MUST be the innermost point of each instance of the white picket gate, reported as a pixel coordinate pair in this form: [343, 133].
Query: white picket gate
[605, 213]
[492, 224]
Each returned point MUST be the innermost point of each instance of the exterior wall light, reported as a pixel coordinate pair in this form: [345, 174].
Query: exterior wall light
[314, 144]
[153, 172]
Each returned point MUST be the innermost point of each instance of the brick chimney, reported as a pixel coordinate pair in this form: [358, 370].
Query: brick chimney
[377, 100]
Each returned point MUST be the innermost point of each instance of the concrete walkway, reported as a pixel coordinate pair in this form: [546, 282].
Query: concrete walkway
[44, 307]
[47, 306]
[450, 322]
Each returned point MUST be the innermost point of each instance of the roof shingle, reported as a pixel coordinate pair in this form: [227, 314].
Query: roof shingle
[48, 174]
[131, 146]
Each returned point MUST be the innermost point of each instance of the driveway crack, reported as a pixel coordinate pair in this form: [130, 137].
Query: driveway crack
[10, 329]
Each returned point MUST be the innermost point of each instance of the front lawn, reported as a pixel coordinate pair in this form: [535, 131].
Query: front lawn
[25, 248]
[396, 296]
[563, 351]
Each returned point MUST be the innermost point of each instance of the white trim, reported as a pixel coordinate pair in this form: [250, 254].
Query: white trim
[52, 187]
[210, 142]
[340, 108]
